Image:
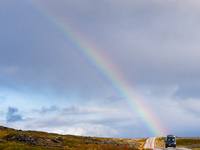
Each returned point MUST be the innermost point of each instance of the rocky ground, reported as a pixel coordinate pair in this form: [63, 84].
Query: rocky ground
[18, 139]
[33, 140]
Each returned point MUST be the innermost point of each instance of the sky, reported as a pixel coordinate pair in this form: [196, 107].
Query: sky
[123, 69]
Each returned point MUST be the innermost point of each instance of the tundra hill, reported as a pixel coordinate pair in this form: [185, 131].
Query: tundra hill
[13, 139]
[181, 142]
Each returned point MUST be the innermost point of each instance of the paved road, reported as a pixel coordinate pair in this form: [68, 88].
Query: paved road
[150, 144]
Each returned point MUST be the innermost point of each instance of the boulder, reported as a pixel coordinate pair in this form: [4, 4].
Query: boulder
[1, 140]
[59, 138]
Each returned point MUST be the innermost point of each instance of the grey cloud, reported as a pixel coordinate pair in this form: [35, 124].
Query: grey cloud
[36, 56]
[77, 115]
[72, 110]
[191, 106]
[158, 42]
[154, 44]
[78, 110]
[45, 110]
[158, 45]
[60, 121]
[81, 110]
[186, 92]
[12, 115]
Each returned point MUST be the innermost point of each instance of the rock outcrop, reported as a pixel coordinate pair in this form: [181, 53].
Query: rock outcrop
[94, 141]
[1, 140]
[33, 140]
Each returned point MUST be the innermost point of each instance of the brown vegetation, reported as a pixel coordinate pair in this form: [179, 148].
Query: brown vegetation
[186, 142]
[24, 140]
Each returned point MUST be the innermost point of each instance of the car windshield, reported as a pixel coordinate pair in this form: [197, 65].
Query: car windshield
[171, 139]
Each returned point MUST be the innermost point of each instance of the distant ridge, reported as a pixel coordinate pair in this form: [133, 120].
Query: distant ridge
[19, 139]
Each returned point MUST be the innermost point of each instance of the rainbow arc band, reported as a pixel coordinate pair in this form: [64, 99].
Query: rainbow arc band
[105, 68]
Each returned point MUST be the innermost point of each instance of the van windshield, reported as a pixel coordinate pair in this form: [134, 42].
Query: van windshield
[171, 139]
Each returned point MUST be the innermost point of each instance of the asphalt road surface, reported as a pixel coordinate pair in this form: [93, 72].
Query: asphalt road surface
[150, 144]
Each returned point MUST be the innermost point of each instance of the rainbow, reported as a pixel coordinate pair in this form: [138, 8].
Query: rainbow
[106, 69]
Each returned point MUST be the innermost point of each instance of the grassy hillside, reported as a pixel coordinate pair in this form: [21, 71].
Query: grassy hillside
[11, 139]
[159, 142]
[187, 142]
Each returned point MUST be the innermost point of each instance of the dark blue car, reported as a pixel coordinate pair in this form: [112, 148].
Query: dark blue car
[170, 141]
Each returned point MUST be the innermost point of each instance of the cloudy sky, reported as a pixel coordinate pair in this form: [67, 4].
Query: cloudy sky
[49, 83]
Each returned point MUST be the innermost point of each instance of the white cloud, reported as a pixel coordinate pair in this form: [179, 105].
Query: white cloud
[75, 131]
[89, 130]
